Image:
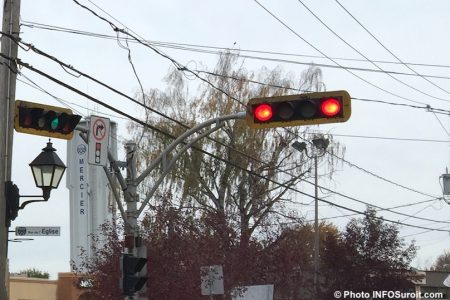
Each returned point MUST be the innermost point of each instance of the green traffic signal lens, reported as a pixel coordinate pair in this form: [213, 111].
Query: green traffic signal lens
[54, 123]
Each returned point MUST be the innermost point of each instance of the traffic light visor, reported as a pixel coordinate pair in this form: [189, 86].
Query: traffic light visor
[45, 120]
[297, 110]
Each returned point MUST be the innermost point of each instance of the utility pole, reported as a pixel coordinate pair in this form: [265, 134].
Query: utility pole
[11, 14]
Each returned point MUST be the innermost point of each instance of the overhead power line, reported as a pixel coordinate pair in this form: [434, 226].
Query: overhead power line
[233, 98]
[372, 62]
[386, 138]
[220, 50]
[59, 82]
[427, 108]
[384, 209]
[331, 59]
[387, 49]
[47, 77]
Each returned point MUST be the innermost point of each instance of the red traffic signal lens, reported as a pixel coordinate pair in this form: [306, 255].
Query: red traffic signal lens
[330, 107]
[263, 112]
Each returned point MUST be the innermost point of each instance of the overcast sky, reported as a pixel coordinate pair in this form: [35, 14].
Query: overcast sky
[414, 30]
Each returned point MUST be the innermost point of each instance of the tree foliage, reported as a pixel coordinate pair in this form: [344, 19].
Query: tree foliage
[35, 273]
[231, 209]
[369, 256]
[249, 185]
[442, 263]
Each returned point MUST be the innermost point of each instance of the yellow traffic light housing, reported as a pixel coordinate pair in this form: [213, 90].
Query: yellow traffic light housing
[298, 110]
[45, 120]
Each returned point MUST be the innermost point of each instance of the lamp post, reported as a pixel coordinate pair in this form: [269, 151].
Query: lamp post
[320, 144]
[47, 169]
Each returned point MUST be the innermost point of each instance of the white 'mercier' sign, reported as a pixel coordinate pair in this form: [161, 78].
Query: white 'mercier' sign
[38, 231]
[98, 141]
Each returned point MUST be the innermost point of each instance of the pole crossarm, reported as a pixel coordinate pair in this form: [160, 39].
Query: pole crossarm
[181, 138]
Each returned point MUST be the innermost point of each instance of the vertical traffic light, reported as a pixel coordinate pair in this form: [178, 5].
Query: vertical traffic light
[296, 110]
[45, 120]
[131, 282]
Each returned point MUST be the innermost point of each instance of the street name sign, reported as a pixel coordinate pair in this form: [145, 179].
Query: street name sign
[38, 231]
[98, 141]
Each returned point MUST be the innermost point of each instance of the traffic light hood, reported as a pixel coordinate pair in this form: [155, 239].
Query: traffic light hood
[298, 110]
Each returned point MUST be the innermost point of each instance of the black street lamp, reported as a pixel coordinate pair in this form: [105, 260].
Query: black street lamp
[47, 169]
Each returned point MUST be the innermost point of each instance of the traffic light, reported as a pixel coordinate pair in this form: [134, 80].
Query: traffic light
[297, 110]
[45, 120]
[131, 282]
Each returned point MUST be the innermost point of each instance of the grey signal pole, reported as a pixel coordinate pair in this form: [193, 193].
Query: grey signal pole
[11, 13]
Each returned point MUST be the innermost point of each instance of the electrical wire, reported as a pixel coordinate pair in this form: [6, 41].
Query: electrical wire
[68, 66]
[75, 1]
[365, 170]
[356, 214]
[333, 60]
[290, 131]
[423, 232]
[220, 50]
[390, 208]
[154, 49]
[373, 205]
[396, 57]
[383, 137]
[148, 45]
[369, 60]
[73, 89]
[66, 103]
[387, 49]
[442, 125]
[174, 45]
[428, 108]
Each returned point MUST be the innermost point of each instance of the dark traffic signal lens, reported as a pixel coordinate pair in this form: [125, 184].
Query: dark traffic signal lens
[307, 109]
[285, 110]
